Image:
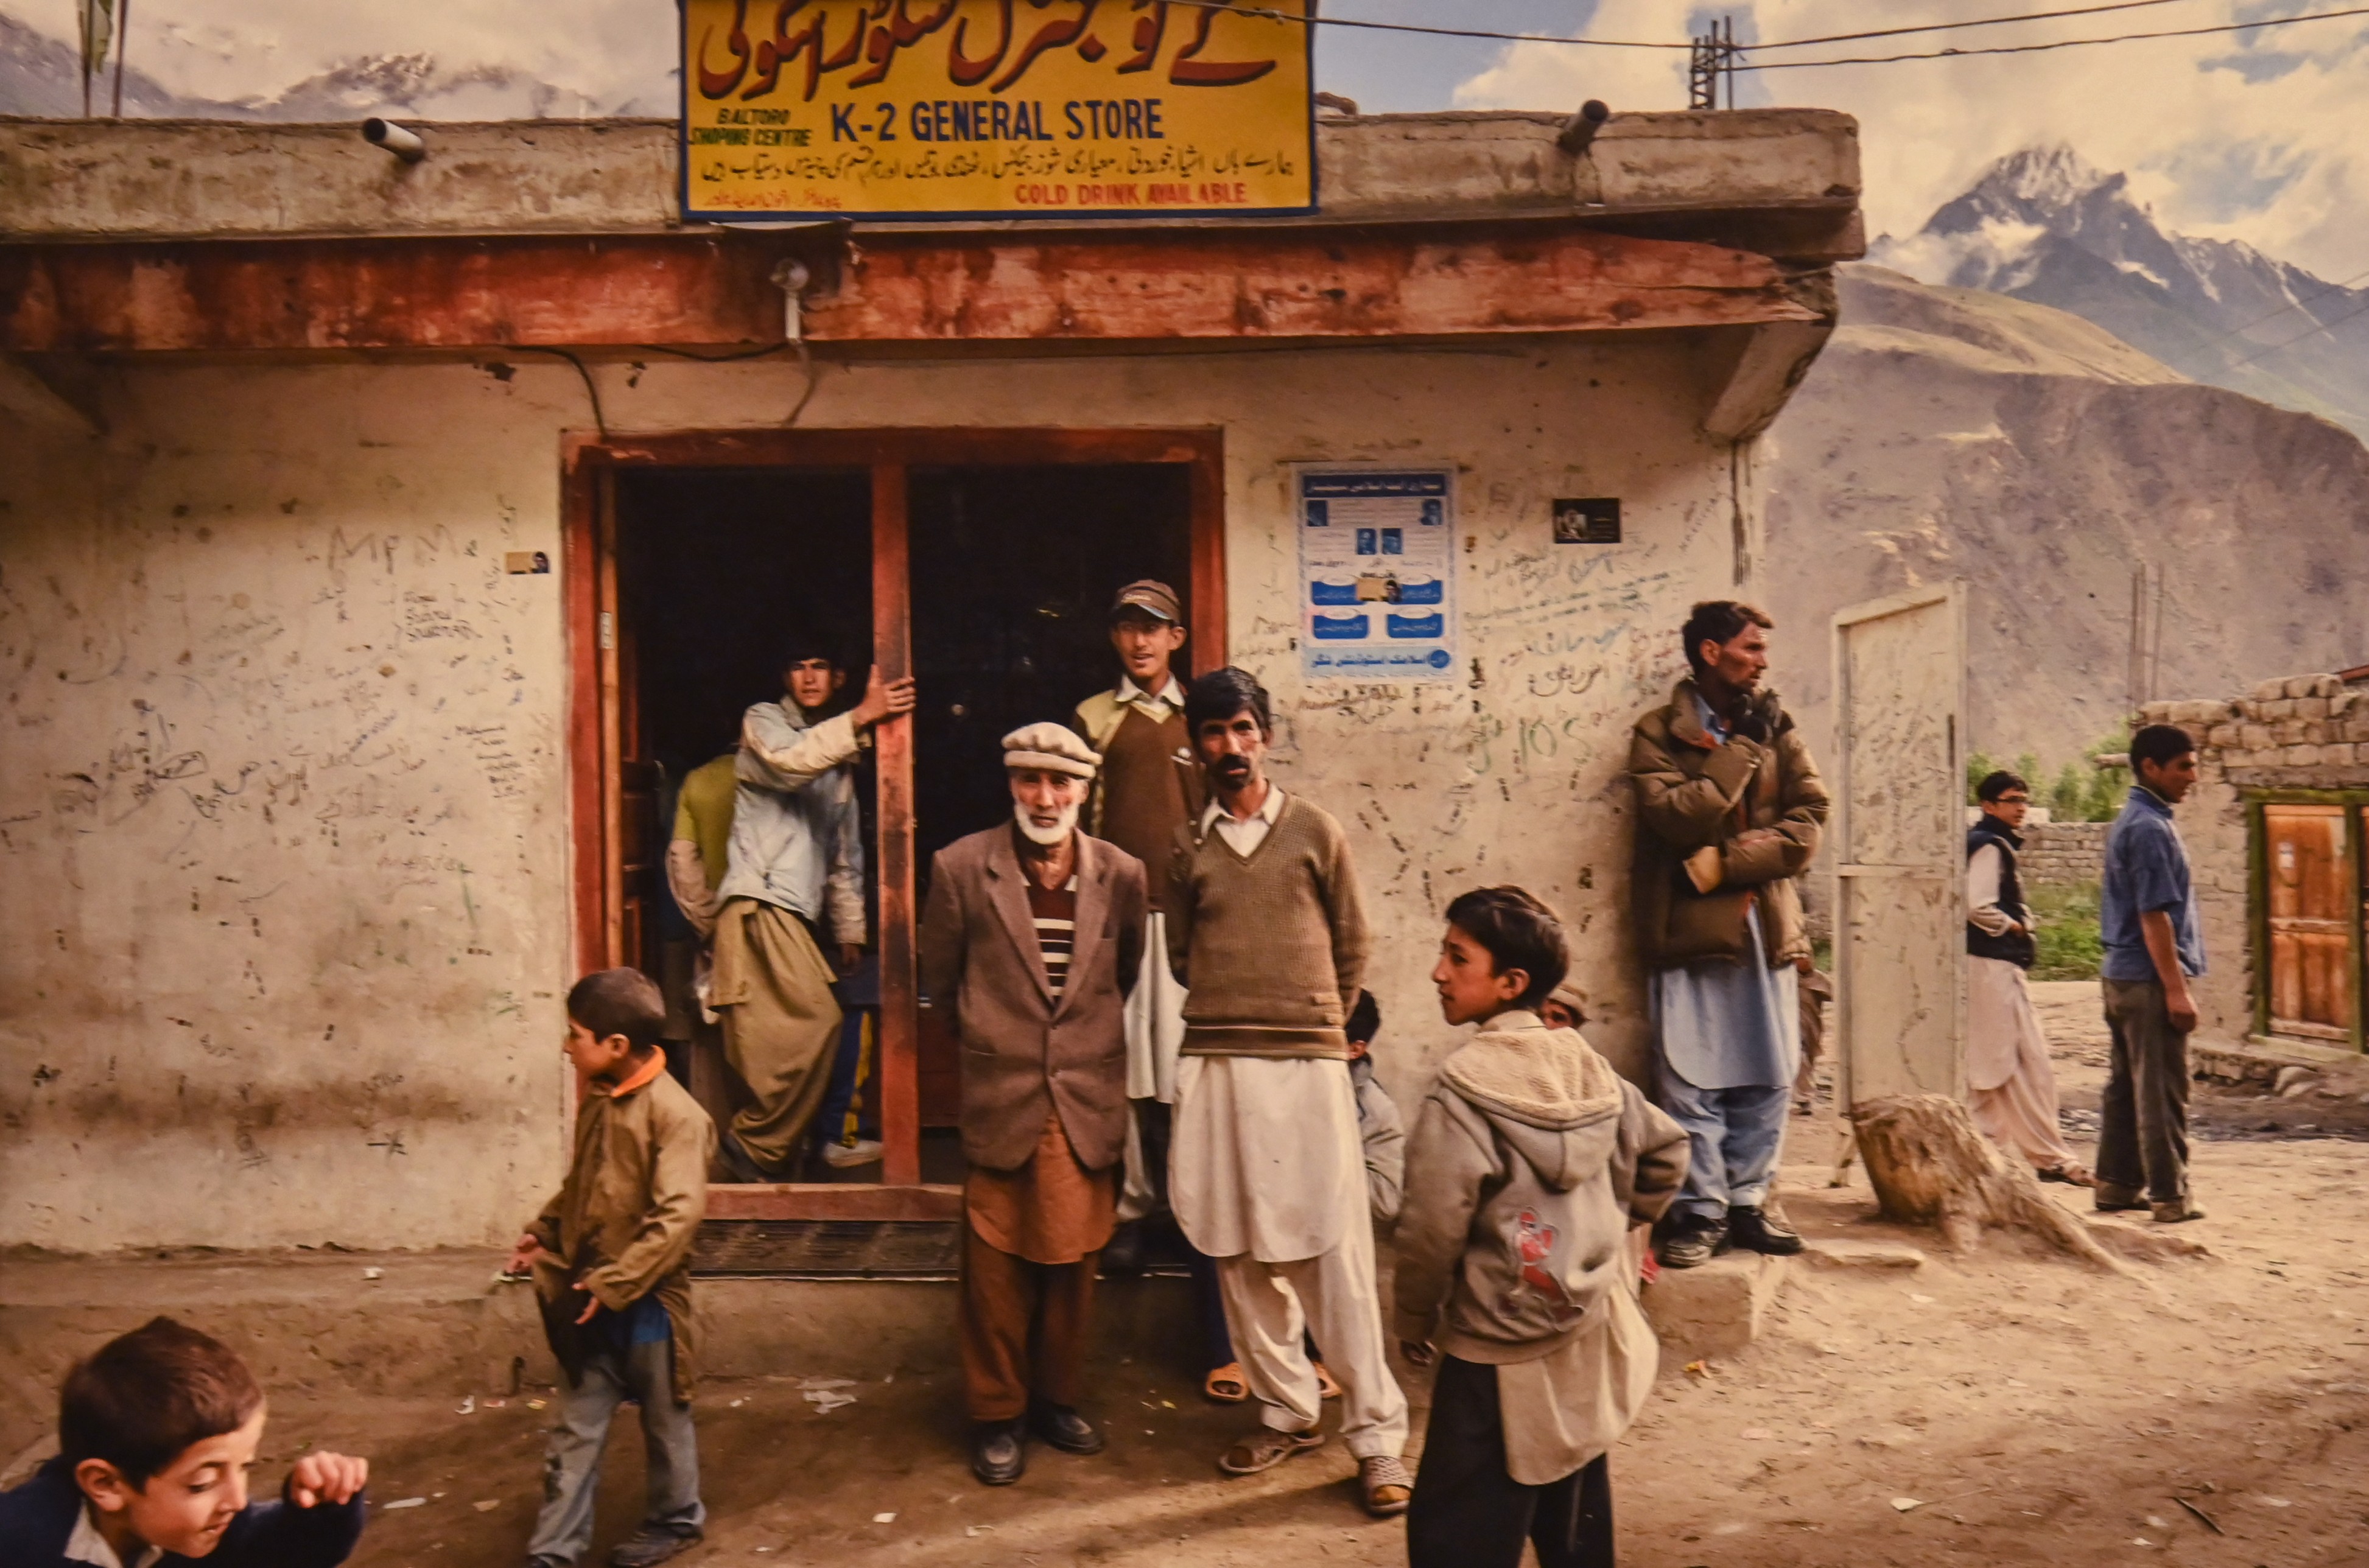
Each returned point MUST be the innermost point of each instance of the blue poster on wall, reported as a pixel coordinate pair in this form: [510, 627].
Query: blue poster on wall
[1377, 573]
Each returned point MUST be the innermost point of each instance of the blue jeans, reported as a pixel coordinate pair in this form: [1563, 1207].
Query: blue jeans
[1732, 1138]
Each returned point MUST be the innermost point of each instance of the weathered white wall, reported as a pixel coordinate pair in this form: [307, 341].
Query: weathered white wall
[284, 808]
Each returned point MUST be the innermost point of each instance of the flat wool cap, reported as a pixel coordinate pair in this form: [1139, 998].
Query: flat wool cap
[1154, 598]
[1051, 747]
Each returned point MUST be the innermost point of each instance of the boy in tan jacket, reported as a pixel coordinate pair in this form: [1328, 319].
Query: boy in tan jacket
[1530, 1161]
[612, 1261]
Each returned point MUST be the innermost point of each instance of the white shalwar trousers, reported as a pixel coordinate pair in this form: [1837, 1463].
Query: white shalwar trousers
[1334, 1295]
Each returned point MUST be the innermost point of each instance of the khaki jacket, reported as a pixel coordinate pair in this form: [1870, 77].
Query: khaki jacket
[1532, 1160]
[623, 1222]
[1693, 792]
[1023, 1054]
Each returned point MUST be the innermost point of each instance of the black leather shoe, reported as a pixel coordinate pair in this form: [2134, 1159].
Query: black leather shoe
[1066, 1429]
[1754, 1229]
[1693, 1241]
[999, 1453]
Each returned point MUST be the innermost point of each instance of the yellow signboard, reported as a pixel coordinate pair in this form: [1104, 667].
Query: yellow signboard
[954, 108]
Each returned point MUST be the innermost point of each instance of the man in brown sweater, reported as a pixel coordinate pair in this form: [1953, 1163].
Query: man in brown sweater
[1267, 1170]
[1032, 934]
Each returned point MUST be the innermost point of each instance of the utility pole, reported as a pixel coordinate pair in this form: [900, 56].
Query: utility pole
[1710, 56]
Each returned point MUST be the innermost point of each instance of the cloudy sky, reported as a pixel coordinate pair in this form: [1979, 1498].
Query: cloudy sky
[2262, 136]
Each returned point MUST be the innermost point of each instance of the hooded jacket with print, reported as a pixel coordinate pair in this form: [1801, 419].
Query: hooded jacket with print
[1530, 1160]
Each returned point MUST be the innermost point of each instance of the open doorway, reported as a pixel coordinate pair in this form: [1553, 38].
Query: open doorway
[983, 562]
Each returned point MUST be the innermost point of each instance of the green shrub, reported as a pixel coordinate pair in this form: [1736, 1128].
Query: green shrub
[2068, 936]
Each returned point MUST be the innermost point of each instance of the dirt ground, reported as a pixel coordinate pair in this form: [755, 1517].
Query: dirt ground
[1997, 1408]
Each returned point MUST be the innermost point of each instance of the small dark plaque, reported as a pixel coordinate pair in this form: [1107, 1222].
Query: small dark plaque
[1595, 520]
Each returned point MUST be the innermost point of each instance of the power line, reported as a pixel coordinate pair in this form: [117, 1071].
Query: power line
[2317, 327]
[1945, 26]
[1269, 14]
[2062, 43]
[2336, 288]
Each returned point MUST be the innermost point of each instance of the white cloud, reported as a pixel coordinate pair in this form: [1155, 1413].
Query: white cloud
[2199, 141]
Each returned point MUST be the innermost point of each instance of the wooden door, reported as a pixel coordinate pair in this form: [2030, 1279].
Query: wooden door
[2309, 902]
[1899, 836]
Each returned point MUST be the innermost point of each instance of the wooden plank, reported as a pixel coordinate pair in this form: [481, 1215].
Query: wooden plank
[892, 650]
[833, 1200]
[582, 491]
[1266, 285]
[1206, 648]
[445, 292]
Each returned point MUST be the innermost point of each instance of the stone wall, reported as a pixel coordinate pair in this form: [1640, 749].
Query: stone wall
[2060, 854]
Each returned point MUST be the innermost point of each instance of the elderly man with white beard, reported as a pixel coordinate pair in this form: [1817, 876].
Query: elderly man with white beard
[1032, 934]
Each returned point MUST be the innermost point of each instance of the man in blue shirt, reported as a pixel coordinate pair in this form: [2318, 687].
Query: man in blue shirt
[2147, 917]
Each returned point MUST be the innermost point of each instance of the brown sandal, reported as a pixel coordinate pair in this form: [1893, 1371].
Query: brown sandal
[1226, 1384]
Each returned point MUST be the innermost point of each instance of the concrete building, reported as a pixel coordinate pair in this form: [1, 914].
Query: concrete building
[2276, 832]
[376, 538]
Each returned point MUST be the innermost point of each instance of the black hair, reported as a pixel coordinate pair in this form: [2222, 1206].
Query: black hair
[619, 1002]
[1998, 783]
[143, 1397]
[1365, 1020]
[1520, 932]
[2160, 744]
[1222, 693]
[806, 644]
[1719, 621]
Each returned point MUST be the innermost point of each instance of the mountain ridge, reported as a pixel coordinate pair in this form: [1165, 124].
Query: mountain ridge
[2044, 225]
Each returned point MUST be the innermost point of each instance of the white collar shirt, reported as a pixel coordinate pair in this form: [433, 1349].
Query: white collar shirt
[1170, 700]
[1244, 835]
[86, 1545]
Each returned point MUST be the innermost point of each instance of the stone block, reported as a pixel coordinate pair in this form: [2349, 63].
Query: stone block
[2268, 690]
[2356, 727]
[2299, 756]
[1716, 1309]
[2318, 731]
[2311, 707]
[2302, 685]
[2221, 735]
[2284, 708]
[2254, 737]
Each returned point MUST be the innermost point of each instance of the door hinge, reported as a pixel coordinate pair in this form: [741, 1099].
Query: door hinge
[607, 629]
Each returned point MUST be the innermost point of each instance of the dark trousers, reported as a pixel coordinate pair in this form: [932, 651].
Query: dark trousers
[2143, 1120]
[1024, 1329]
[1468, 1513]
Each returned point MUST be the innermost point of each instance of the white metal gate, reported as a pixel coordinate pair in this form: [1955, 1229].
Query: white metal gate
[1900, 943]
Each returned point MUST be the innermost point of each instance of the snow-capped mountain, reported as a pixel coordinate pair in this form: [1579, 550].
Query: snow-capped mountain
[41, 75]
[2044, 226]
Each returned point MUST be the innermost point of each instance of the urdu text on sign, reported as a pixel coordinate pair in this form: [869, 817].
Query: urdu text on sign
[952, 108]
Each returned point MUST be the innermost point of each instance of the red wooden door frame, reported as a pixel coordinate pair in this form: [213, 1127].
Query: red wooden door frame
[588, 592]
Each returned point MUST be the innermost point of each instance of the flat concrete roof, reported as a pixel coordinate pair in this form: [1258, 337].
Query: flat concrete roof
[178, 179]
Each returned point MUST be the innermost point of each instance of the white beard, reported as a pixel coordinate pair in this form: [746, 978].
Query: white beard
[1046, 836]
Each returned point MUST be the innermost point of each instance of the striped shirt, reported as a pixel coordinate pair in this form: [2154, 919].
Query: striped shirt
[1055, 914]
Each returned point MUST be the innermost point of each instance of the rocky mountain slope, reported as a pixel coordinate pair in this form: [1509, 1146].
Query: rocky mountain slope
[1953, 433]
[2045, 226]
[42, 76]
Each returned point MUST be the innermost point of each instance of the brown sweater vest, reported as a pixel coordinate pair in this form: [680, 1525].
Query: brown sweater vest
[1272, 946]
[1144, 792]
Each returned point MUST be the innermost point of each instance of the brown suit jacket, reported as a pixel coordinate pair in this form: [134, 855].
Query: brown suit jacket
[1023, 1054]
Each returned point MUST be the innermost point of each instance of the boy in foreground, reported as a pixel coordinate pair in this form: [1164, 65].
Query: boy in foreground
[155, 1435]
[612, 1261]
[1530, 1161]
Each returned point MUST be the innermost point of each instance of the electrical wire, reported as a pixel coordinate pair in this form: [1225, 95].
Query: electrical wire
[1946, 27]
[2317, 327]
[592, 389]
[2062, 43]
[1262, 13]
[2243, 326]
